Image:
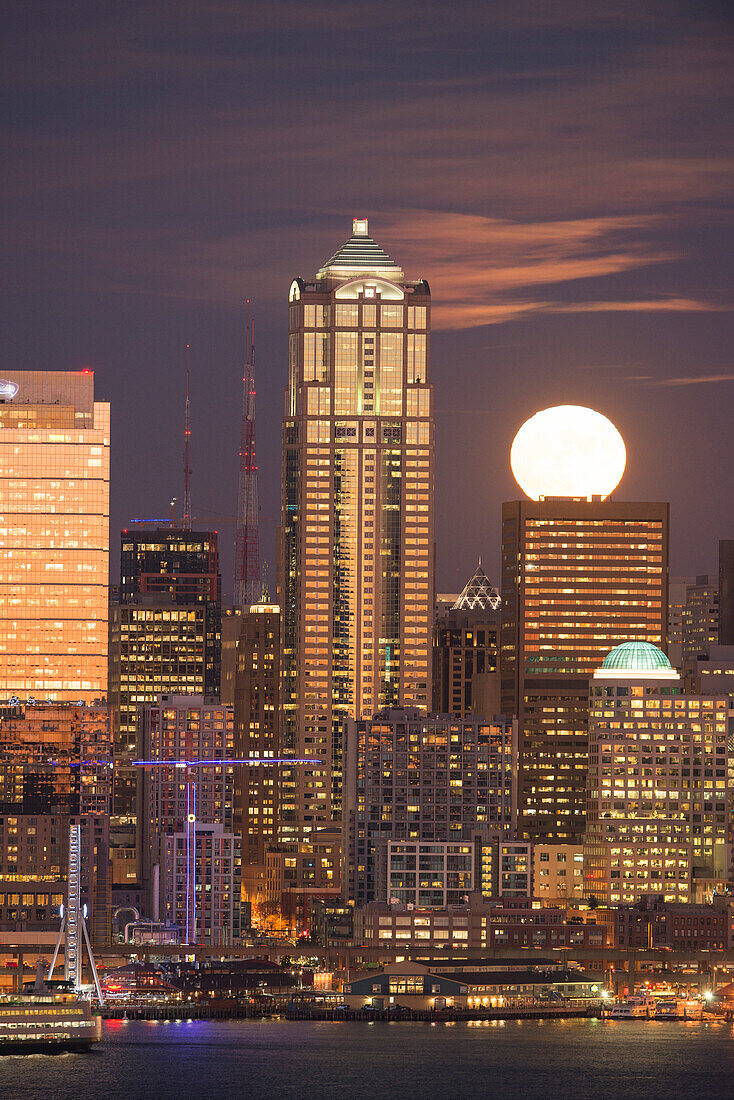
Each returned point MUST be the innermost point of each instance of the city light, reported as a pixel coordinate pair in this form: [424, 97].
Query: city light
[568, 451]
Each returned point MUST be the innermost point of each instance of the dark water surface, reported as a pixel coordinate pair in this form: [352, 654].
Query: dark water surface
[574, 1059]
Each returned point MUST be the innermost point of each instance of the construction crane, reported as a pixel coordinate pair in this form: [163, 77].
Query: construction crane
[247, 538]
[189, 766]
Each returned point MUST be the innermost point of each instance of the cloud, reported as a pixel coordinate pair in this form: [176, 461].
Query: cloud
[656, 305]
[690, 380]
[476, 265]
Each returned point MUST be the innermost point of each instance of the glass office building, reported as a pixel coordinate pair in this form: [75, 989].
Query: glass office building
[578, 577]
[54, 536]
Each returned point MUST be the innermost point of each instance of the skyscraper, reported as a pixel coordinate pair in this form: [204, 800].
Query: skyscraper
[578, 577]
[54, 538]
[165, 634]
[187, 817]
[257, 716]
[356, 568]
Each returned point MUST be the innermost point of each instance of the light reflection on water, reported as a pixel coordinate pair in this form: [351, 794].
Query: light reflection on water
[510, 1060]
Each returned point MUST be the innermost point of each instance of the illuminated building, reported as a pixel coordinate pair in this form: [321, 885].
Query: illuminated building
[54, 536]
[466, 649]
[558, 872]
[189, 808]
[55, 770]
[413, 776]
[300, 875]
[578, 577]
[355, 569]
[657, 784]
[700, 618]
[257, 716]
[415, 872]
[203, 870]
[165, 637]
[231, 625]
[473, 927]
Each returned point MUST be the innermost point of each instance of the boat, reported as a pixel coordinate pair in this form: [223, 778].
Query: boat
[679, 1008]
[47, 1018]
[639, 1006]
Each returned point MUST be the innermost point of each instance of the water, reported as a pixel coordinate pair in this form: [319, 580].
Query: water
[576, 1059]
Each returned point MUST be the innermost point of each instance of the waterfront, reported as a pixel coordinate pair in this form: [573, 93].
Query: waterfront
[583, 1059]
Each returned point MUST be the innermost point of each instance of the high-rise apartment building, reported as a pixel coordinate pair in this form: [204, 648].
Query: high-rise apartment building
[578, 577]
[54, 536]
[165, 636]
[657, 802]
[356, 557]
[186, 804]
[413, 776]
[257, 716]
[466, 648]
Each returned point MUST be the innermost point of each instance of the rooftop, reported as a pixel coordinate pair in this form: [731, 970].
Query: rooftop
[637, 659]
[479, 593]
[360, 255]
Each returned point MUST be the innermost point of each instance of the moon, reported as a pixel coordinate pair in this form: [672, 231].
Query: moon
[568, 451]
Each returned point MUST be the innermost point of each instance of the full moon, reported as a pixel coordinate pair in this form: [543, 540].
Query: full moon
[568, 451]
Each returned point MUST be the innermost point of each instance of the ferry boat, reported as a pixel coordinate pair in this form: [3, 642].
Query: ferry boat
[679, 1008]
[47, 1019]
[639, 1006]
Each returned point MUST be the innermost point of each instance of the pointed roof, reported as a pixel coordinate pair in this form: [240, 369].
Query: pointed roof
[479, 593]
[360, 255]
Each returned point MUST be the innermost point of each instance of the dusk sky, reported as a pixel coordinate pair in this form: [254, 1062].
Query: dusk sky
[559, 171]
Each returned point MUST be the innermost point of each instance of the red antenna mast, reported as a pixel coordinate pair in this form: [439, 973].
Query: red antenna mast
[247, 539]
[186, 524]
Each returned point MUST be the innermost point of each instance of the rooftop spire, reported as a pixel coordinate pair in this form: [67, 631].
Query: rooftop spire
[479, 593]
[360, 255]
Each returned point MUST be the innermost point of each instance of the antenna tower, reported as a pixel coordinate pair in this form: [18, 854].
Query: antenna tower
[247, 539]
[186, 523]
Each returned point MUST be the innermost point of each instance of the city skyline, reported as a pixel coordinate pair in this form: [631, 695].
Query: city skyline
[576, 254]
[414, 702]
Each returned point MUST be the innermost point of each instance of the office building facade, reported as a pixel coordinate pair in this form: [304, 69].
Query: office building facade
[165, 637]
[54, 537]
[356, 555]
[700, 619]
[657, 802]
[577, 578]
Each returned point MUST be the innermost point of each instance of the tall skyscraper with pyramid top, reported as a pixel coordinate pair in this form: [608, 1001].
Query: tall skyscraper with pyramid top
[356, 557]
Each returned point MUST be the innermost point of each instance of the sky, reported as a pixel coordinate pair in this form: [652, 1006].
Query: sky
[559, 171]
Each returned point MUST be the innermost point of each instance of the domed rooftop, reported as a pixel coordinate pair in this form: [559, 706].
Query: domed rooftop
[637, 658]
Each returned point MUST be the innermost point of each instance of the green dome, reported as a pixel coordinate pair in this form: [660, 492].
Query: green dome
[637, 657]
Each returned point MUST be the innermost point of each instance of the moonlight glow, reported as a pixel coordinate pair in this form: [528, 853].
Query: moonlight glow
[568, 451]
